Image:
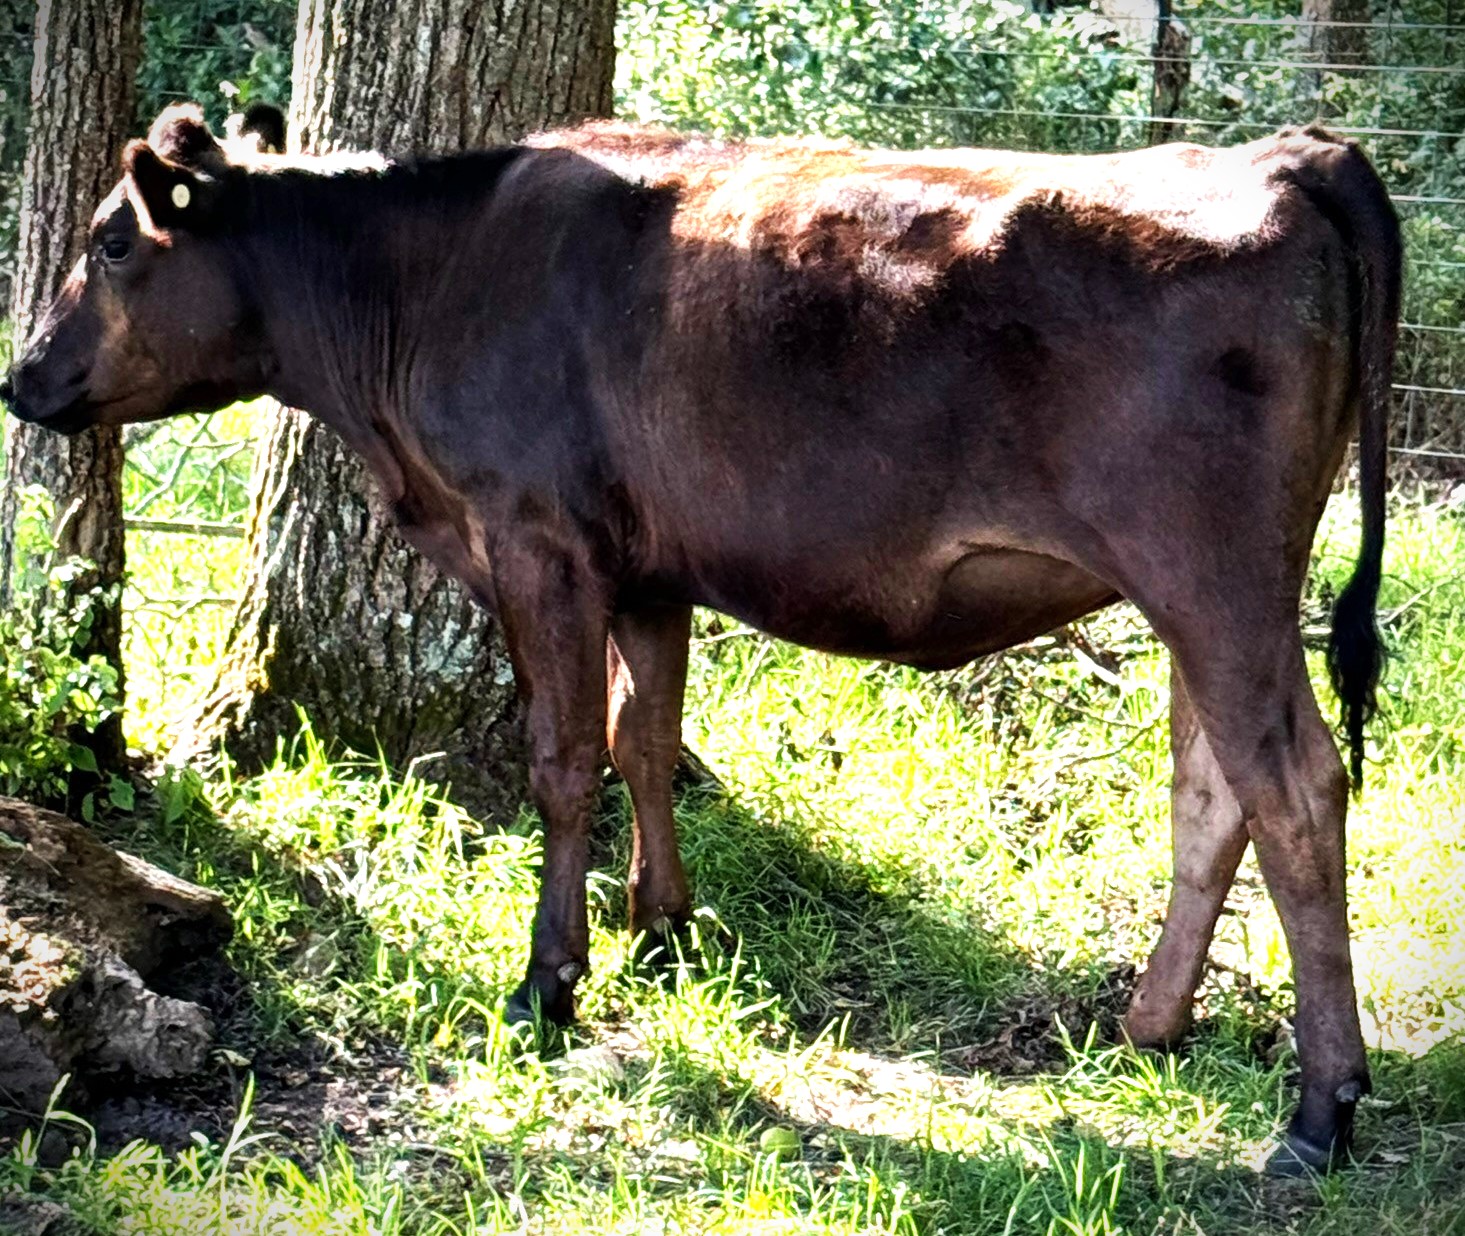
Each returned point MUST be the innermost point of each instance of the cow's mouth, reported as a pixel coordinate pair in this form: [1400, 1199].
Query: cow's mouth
[73, 418]
[78, 415]
[21, 398]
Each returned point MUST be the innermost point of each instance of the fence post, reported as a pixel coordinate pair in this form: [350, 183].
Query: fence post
[1331, 32]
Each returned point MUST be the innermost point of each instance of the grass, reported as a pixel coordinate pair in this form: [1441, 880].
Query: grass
[922, 898]
[181, 584]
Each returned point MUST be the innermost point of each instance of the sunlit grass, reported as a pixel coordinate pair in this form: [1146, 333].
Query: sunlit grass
[920, 897]
[182, 585]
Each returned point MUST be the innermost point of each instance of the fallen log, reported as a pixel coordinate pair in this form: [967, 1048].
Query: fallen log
[84, 930]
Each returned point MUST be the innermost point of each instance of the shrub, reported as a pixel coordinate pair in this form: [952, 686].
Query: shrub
[48, 692]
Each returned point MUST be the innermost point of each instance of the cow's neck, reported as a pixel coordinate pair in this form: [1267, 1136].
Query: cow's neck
[343, 268]
[339, 337]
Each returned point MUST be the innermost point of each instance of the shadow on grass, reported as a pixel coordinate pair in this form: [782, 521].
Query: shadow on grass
[1065, 1176]
[308, 1083]
[840, 943]
[855, 946]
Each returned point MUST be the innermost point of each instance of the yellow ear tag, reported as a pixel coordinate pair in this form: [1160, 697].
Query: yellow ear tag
[181, 196]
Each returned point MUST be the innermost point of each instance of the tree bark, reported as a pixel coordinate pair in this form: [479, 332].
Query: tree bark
[342, 618]
[1332, 32]
[16, 30]
[82, 89]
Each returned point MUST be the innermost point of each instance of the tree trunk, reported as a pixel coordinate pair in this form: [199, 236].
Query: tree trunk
[17, 21]
[1332, 32]
[341, 618]
[1170, 59]
[82, 80]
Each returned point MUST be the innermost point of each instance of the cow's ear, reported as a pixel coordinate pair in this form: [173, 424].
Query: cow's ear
[173, 196]
[180, 133]
[263, 127]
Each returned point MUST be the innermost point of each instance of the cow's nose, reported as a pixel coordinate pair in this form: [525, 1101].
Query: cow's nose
[7, 390]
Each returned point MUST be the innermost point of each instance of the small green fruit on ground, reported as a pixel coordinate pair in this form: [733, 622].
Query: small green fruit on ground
[780, 1142]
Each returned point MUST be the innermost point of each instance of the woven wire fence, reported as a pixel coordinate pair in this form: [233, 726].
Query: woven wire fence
[1396, 85]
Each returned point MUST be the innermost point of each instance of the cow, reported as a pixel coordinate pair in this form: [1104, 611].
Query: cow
[912, 406]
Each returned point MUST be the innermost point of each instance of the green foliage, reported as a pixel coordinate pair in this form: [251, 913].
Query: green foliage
[886, 73]
[48, 691]
[191, 474]
[220, 53]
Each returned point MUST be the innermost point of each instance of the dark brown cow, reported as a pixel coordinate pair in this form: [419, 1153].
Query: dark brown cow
[911, 406]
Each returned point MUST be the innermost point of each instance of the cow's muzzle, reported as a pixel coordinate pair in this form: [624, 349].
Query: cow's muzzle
[20, 397]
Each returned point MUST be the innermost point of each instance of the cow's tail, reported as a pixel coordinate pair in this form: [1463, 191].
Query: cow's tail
[1346, 189]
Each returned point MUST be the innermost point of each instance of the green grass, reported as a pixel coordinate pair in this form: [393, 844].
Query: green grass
[922, 896]
[181, 585]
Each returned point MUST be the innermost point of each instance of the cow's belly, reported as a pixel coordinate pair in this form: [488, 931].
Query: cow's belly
[995, 598]
[987, 600]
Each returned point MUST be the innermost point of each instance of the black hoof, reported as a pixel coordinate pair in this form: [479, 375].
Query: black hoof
[1297, 1158]
[664, 944]
[544, 998]
[1318, 1146]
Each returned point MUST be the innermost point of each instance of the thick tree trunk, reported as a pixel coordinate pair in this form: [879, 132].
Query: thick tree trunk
[17, 21]
[342, 619]
[82, 80]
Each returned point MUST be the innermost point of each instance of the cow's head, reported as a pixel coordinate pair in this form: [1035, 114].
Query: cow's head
[154, 318]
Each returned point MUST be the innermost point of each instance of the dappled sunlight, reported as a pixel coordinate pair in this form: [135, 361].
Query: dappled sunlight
[185, 489]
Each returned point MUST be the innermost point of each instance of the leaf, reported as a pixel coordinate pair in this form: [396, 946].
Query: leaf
[121, 793]
[81, 758]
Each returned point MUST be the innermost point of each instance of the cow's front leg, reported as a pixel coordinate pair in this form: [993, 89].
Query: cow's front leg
[555, 614]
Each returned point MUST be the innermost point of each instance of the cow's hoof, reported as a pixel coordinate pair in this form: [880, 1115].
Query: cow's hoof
[1297, 1157]
[1147, 1034]
[1315, 1151]
[663, 944]
[539, 999]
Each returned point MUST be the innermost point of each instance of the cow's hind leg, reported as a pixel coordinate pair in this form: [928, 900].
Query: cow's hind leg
[555, 613]
[1247, 680]
[1208, 839]
[647, 667]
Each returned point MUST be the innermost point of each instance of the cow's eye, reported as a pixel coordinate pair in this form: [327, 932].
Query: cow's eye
[115, 248]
